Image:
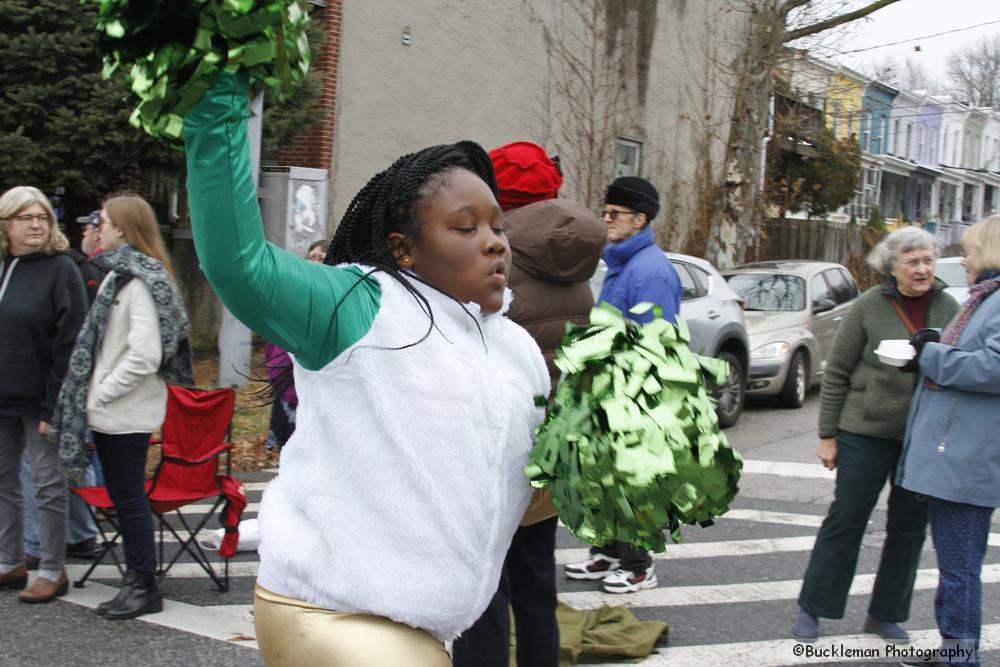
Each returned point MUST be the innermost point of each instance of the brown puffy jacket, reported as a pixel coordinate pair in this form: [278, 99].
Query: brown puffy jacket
[555, 246]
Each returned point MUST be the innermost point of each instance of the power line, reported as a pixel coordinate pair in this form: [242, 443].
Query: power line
[917, 39]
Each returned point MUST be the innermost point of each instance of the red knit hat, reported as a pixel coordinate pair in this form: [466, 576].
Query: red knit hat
[525, 174]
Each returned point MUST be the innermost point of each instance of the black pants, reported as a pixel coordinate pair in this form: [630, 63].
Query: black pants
[528, 586]
[123, 458]
[633, 559]
[863, 466]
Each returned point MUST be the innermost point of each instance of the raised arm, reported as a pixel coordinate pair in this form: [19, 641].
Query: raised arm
[284, 298]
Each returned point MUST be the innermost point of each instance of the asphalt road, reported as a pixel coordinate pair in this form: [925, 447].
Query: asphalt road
[728, 592]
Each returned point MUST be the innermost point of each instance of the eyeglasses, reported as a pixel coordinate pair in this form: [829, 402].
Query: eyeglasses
[613, 214]
[27, 219]
[917, 261]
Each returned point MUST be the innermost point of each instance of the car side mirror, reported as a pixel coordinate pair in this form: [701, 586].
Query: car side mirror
[823, 305]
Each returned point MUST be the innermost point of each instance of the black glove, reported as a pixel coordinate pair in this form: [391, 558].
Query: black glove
[919, 339]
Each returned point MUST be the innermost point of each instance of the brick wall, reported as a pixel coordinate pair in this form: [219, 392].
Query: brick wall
[315, 148]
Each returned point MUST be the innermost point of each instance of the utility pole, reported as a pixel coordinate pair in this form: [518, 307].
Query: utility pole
[234, 336]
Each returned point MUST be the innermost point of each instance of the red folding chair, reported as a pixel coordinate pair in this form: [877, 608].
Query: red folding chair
[195, 435]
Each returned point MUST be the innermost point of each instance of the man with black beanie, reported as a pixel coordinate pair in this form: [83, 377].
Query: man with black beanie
[638, 272]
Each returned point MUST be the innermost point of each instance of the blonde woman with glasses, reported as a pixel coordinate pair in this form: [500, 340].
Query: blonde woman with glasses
[42, 305]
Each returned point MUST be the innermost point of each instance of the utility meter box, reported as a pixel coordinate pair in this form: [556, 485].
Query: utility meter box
[293, 202]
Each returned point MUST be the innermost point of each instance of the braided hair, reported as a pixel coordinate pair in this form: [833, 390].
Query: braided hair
[389, 202]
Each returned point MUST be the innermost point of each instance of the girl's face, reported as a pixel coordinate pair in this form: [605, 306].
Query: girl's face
[112, 238]
[462, 249]
[28, 231]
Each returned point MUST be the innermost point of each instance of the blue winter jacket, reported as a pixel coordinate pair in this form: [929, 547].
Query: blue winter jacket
[951, 449]
[638, 272]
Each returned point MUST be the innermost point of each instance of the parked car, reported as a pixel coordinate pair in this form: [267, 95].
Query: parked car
[718, 329]
[793, 310]
[952, 273]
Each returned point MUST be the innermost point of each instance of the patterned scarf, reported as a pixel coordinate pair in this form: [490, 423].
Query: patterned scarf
[69, 420]
[986, 284]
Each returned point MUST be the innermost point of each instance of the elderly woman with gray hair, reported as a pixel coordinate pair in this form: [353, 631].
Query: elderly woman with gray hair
[863, 405]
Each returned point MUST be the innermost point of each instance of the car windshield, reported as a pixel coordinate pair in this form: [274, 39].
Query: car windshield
[953, 275]
[769, 291]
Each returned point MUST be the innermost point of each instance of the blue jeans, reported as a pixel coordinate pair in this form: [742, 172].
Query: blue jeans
[123, 458]
[80, 525]
[959, 532]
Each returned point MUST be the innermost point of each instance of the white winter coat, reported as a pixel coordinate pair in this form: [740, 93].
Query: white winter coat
[404, 481]
[126, 394]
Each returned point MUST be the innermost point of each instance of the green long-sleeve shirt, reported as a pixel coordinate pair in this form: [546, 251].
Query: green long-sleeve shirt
[284, 298]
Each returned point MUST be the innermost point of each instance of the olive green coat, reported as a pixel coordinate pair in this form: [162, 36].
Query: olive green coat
[860, 394]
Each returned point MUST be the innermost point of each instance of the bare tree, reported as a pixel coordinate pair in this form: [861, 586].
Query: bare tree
[588, 57]
[736, 210]
[974, 72]
[907, 74]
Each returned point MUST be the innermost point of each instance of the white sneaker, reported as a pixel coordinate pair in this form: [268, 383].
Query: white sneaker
[626, 581]
[596, 567]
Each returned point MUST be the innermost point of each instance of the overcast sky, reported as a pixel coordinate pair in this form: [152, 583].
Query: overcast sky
[907, 19]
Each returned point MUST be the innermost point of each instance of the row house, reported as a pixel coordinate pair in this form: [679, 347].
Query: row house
[925, 159]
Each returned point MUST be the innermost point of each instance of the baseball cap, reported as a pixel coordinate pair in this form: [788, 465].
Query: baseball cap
[92, 218]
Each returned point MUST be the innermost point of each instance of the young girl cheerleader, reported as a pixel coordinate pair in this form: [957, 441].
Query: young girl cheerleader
[384, 533]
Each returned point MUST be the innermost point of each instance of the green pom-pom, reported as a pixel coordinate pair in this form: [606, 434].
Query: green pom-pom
[632, 446]
[171, 51]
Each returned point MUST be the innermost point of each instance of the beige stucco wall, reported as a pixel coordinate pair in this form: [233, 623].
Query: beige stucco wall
[477, 69]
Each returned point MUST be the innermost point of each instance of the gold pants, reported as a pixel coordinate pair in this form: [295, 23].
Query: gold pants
[293, 633]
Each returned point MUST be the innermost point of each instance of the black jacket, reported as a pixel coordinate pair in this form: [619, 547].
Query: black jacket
[93, 275]
[42, 305]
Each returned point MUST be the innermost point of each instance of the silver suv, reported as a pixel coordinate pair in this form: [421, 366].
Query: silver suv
[715, 318]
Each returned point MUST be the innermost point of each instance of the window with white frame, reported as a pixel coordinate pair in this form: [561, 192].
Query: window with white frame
[835, 126]
[628, 155]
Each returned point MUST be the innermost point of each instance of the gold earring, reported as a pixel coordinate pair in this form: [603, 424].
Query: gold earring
[405, 260]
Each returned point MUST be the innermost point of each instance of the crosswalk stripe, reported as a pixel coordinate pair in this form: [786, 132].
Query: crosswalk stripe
[680, 596]
[788, 469]
[222, 623]
[183, 570]
[712, 549]
[778, 652]
[202, 508]
[811, 520]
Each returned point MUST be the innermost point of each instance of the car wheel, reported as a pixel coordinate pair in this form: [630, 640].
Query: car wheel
[730, 395]
[793, 392]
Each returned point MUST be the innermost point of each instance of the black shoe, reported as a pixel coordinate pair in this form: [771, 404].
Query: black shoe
[31, 561]
[127, 582]
[88, 549]
[143, 597]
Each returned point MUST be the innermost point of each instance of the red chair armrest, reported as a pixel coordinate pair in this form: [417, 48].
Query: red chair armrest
[214, 453]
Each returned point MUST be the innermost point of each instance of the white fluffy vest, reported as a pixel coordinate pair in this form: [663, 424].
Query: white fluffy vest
[404, 482]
